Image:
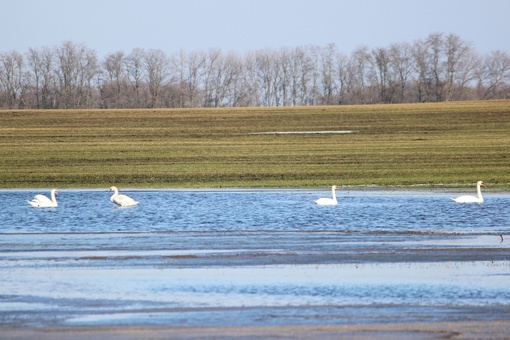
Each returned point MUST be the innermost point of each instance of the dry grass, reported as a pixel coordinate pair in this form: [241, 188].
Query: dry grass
[444, 144]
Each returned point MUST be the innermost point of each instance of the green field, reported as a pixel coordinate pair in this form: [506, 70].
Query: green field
[406, 145]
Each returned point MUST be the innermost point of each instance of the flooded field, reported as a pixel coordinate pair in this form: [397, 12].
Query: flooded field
[253, 257]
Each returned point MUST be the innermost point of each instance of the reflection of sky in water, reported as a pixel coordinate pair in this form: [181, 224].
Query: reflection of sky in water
[88, 261]
[428, 284]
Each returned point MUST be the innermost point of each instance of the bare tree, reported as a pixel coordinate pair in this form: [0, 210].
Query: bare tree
[401, 65]
[264, 67]
[276, 78]
[242, 93]
[76, 67]
[360, 68]
[314, 93]
[436, 65]
[194, 76]
[42, 77]
[136, 76]
[327, 67]
[437, 68]
[67, 73]
[424, 80]
[343, 78]
[298, 74]
[494, 76]
[157, 69]
[34, 59]
[41, 64]
[459, 68]
[233, 85]
[178, 67]
[114, 89]
[381, 62]
[13, 79]
[251, 80]
[89, 69]
[208, 71]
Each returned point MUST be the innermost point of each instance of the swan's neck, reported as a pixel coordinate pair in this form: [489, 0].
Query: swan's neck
[479, 190]
[53, 199]
[333, 191]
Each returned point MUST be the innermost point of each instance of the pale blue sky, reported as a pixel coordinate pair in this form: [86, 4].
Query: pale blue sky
[244, 25]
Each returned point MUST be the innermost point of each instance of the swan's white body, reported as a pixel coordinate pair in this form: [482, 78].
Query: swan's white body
[121, 200]
[469, 198]
[328, 201]
[41, 201]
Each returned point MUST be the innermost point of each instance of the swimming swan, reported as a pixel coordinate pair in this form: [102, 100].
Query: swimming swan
[121, 200]
[471, 199]
[41, 201]
[328, 201]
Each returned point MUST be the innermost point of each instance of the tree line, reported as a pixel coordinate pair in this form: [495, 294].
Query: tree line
[440, 67]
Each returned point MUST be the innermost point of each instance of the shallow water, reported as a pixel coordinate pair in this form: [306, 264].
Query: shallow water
[201, 257]
[262, 210]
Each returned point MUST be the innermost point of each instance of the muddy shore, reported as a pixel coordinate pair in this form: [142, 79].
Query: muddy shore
[440, 330]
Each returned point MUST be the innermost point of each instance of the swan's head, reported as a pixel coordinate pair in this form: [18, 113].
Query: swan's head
[54, 191]
[480, 183]
[113, 188]
[334, 187]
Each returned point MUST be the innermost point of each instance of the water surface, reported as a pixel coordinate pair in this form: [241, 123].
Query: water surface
[199, 257]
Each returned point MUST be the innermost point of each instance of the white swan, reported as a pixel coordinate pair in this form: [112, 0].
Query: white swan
[121, 200]
[41, 201]
[328, 201]
[471, 199]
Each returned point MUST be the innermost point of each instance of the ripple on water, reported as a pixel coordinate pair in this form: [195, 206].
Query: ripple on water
[271, 254]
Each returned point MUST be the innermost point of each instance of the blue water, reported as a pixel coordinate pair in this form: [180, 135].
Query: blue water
[200, 257]
[285, 210]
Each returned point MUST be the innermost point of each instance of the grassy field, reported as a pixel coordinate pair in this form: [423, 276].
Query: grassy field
[433, 145]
